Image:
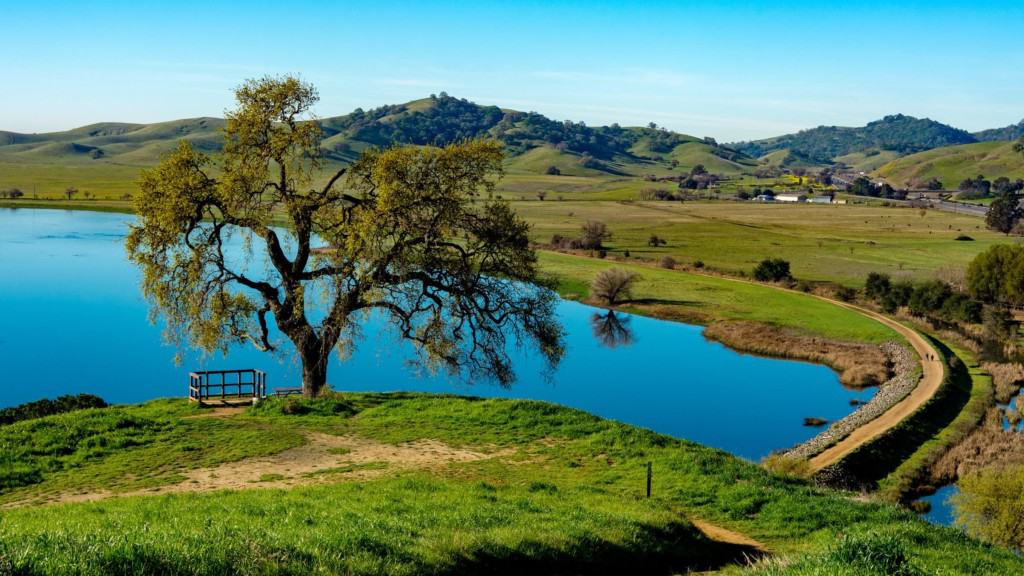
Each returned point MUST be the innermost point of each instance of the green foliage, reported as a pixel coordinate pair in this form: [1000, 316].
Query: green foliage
[997, 275]
[1004, 213]
[900, 133]
[990, 505]
[934, 299]
[1011, 132]
[47, 407]
[406, 236]
[772, 270]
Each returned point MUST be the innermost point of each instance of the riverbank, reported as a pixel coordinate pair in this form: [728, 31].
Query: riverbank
[505, 486]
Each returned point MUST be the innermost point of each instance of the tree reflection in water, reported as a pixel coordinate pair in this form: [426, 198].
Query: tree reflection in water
[611, 330]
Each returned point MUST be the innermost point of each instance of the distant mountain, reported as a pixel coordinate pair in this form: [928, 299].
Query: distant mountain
[1011, 132]
[898, 133]
[534, 143]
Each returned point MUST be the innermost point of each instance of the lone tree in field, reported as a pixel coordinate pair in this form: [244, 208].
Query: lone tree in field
[404, 233]
[613, 285]
[1004, 213]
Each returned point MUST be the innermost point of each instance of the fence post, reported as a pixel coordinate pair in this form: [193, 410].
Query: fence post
[649, 474]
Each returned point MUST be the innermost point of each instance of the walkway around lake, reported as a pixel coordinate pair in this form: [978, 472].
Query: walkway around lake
[931, 380]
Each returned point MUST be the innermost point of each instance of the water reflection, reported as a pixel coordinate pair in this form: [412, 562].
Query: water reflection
[611, 330]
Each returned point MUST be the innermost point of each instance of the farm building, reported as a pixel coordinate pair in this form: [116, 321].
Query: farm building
[791, 198]
[820, 200]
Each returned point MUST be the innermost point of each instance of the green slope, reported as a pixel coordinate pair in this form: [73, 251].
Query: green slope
[533, 144]
[953, 164]
[547, 490]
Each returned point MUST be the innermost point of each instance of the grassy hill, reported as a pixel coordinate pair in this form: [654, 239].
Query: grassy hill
[897, 133]
[104, 159]
[421, 484]
[953, 164]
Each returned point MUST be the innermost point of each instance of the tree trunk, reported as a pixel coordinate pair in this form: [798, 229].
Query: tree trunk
[314, 370]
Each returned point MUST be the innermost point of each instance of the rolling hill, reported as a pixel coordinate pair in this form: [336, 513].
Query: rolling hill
[897, 133]
[534, 143]
[1011, 132]
[952, 164]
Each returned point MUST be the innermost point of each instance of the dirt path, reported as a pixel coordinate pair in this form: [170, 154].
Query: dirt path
[726, 536]
[931, 379]
[324, 458]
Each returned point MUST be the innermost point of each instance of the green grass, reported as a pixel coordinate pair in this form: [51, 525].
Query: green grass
[953, 164]
[93, 449]
[705, 298]
[561, 494]
[831, 243]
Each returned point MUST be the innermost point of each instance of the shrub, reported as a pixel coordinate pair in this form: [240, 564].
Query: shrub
[553, 171]
[845, 293]
[47, 407]
[782, 465]
[964, 238]
[876, 286]
[594, 234]
[667, 262]
[613, 285]
[989, 505]
[698, 264]
[772, 270]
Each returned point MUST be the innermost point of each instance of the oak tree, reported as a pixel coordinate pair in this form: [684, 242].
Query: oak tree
[410, 233]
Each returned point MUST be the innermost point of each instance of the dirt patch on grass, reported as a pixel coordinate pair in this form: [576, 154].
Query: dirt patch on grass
[324, 458]
[858, 364]
[724, 535]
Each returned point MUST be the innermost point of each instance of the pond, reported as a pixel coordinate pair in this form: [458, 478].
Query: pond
[941, 511]
[72, 320]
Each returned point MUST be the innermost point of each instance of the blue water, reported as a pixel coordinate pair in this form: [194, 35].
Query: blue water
[72, 320]
[942, 510]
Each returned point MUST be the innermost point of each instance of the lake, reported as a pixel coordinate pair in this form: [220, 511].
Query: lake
[72, 320]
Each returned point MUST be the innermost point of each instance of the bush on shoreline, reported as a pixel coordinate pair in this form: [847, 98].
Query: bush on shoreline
[47, 407]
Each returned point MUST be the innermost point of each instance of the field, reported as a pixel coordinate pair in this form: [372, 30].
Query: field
[705, 299]
[514, 486]
[841, 243]
[831, 243]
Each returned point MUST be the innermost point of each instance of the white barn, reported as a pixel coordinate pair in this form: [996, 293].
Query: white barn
[791, 198]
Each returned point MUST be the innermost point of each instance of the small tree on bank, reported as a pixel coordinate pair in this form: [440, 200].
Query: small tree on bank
[405, 237]
[772, 270]
[990, 505]
[613, 285]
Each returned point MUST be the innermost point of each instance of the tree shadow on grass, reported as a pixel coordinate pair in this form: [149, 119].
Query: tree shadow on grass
[674, 549]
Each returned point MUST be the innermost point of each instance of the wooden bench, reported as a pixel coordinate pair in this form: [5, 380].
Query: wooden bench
[287, 391]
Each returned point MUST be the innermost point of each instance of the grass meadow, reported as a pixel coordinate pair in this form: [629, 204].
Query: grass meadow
[563, 492]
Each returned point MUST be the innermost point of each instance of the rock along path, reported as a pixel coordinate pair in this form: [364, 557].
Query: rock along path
[931, 379]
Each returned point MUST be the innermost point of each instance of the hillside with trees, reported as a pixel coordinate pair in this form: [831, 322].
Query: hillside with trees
[571, 148]
[897, 133]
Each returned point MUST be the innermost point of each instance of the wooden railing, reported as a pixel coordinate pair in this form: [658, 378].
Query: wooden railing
[227, 385]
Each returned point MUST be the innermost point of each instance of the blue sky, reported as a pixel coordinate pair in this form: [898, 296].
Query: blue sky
[728, 69]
